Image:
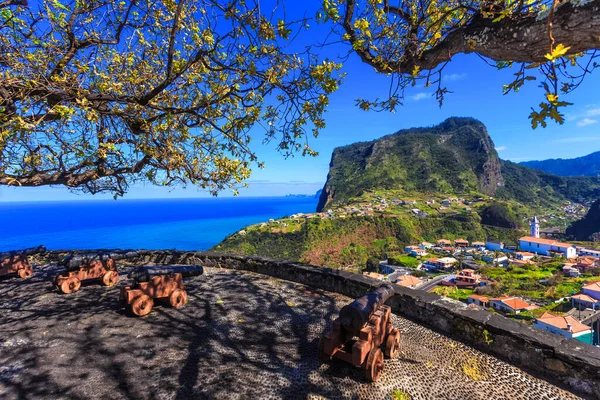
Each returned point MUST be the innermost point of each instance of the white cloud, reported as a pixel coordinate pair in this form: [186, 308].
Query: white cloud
[586, 122]
[500, 148]
[455, 77]
[420, 96]
[592, 112]
[580, 139]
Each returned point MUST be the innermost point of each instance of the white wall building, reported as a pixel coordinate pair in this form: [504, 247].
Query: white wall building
[592, 290]
[534, 227]
[547, 247]
[590, 252]
[567, 326]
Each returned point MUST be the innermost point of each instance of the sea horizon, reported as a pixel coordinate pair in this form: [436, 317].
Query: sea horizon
[151, 224]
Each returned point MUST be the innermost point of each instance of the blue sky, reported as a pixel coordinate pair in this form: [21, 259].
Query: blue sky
[477, 93]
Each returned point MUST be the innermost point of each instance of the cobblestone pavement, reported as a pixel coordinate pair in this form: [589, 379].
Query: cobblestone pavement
[241, 336]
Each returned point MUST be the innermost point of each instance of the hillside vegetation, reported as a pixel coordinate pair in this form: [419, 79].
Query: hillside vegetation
[587, 228]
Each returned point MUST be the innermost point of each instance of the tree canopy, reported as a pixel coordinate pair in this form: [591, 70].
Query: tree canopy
[99, 95]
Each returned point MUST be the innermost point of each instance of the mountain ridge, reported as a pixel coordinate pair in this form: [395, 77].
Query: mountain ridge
[588, 165]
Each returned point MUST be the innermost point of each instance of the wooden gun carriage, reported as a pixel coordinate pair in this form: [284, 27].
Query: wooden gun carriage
[160, 282]
[16, 262]
[362, 328]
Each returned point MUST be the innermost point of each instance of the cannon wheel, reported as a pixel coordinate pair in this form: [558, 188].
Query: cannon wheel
[322, 355]
[374, 364]
[110, 278]
[142, 305]
[24, 273]
[70, 285]
[178, 298]
[392, 344]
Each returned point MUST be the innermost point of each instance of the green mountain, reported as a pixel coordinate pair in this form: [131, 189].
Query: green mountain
[587, 228]
[456, 157]
[581, 166]
[444, 181]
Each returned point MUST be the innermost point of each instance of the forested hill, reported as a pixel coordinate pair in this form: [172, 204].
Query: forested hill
[587, 228]
[456, 157]
[581, 166]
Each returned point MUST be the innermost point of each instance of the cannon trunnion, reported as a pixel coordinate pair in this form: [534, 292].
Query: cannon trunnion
[362, 328]
[16, 262]
[86, 267]
[161, 282]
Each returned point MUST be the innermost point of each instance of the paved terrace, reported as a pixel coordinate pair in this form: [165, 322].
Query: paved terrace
[241, 336]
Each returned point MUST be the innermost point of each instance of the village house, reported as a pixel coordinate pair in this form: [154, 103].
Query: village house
[478, 245]
[571, 271]
[566, 326]
[521, 263]
[583, 301]
[511, 304]
[374, 275]
[418, 252]
[524, 255]
[501, 259]
[481, 301]
[408, 281]
[592, 289]
[461, 243]
[547, 247]
[444, 242]
[467, 278]
[408, 249]
[425, 246]
[445, 263]
[590, 252]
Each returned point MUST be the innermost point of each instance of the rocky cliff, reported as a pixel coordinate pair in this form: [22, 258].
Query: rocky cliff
[456, 156]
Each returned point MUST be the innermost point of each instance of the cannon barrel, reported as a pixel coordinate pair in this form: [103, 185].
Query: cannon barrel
[144, 274]
[355, 315]
[77, 260]
[25, 252]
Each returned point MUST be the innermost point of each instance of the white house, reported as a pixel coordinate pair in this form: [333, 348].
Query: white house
[524, 255]
[440, 263]
[547, 247]
[592, 290]
[511, 304]
[481, 301]
[566, 326]
[425, 246]
[585, 301]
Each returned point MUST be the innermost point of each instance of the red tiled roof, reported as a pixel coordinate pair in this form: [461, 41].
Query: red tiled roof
[445, 241]
[478, 297]
[537, 240]
[408, 280]
[478, 244]
[584, 297]
[513, 302]
[561, 322]
[592, 286]
[461, 241]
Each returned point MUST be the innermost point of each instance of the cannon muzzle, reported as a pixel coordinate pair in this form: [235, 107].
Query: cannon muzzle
[144, 274]
[25, 252]
[77, 260]
[355, 315]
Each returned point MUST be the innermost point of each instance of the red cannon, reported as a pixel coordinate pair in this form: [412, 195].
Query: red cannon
[16, 262]
[362, 328]
[163, 282]
[84, 267]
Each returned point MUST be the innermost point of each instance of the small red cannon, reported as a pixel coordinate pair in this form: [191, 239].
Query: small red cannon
[157, 282]
[99, 266]
[357, 335]
[15, 261]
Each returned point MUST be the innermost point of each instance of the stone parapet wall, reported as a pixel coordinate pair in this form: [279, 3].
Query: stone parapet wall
[568, 363]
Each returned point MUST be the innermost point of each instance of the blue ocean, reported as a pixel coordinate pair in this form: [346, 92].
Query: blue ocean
[183, 224]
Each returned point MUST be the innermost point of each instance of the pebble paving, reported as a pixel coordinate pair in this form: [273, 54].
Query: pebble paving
[241, 336]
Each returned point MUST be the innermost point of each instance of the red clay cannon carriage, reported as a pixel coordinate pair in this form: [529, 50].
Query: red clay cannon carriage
[157, 282]
[362, 328]
[15, 261]
[82, 267]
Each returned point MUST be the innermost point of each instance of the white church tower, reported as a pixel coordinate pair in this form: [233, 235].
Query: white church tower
[534, 227]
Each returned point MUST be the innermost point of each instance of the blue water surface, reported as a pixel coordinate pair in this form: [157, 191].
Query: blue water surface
[183, 224]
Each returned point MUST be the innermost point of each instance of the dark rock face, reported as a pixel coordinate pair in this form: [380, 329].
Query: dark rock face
[587, 228]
